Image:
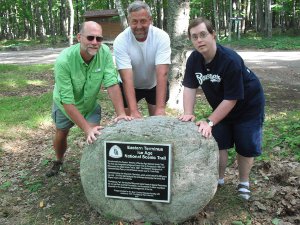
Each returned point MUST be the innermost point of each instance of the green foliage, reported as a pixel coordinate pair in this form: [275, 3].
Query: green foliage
[231, 156]
[23, 44]
[247, 222]
[282, 130]
[5, 185]
[202, 110]
[276, 221]
[33, 186]
[259, 42]
[45, 162]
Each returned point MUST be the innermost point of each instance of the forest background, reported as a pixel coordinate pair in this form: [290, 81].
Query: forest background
[59, 20]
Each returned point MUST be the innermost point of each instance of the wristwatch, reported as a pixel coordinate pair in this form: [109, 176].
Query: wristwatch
[210, 123]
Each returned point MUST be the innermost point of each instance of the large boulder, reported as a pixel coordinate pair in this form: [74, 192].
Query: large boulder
[194, 171]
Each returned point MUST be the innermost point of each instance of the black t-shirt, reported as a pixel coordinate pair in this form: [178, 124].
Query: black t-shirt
[226, 78]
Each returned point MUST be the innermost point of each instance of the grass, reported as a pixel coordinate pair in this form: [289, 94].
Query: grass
[18, 44]
[34, 111]
[38, 68]
[259, 42]
[282, 130]
[254, 41]
[27, 111]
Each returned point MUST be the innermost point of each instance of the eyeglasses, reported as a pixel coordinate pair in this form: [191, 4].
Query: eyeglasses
[201, 35]
[91, 38]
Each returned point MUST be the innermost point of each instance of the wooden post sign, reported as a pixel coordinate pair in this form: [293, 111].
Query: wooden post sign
[139, 171]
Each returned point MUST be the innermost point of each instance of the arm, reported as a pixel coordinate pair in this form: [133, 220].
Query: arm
[128, 85]
[220, 113]
[115, 95]
[189, 100]
[90, 131]
[222, 110]
[161, 88]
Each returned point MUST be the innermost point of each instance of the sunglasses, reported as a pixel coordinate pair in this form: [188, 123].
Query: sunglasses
[91, 38]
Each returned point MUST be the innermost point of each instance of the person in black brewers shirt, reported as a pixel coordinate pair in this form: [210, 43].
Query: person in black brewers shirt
[235, 95]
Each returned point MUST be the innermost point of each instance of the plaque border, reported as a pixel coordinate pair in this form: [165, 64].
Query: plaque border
[140, 199]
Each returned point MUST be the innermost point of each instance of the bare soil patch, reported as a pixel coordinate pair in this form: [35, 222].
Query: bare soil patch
[31, 198]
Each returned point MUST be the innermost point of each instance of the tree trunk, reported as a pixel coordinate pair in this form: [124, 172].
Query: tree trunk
[77, 17]
[177, 23]
[268, 19]
[247, 19]
[158, 14]
[121, 14]
[51, 23]
[260, 16]
[224, 17]
[71, 22]
[293, 22]
[230, 20]
[63, 29]
[39, 23]
[32, 22]
[216, 15]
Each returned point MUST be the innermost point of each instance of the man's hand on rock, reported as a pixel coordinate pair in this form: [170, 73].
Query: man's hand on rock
[204, 129]
[186, 118]
[123, 117]
[136, 114]
[92, 133]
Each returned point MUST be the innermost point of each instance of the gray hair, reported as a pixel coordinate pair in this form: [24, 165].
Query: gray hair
[138, 5]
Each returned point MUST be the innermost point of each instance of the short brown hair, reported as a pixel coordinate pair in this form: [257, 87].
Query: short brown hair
[199, 20]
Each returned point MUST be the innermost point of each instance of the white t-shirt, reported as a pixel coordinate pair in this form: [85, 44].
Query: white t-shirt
[142, 57]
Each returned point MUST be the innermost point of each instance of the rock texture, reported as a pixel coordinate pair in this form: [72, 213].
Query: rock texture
[194, 170]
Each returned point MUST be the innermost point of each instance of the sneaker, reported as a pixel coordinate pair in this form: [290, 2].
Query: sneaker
[244, 192]
[56, 167]
[221, 182]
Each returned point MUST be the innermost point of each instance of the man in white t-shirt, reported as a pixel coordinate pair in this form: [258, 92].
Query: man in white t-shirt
[143, 55]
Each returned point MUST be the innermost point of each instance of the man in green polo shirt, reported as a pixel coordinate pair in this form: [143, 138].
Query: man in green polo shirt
[80, 70]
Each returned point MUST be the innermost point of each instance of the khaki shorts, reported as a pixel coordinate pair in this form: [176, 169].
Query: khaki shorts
[64, 123]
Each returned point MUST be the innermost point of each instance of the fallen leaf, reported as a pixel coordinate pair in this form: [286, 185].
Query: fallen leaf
[42, 204]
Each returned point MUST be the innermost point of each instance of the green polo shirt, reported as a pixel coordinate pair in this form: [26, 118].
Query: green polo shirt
[79, 83]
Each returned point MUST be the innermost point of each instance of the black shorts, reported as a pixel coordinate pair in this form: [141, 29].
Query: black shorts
[148, 94]
[245, 136]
